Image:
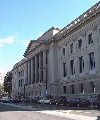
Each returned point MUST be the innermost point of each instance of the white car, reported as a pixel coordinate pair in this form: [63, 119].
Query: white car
[5, 99]
[44, 100]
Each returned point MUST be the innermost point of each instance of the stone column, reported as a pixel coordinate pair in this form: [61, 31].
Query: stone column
[40, 67]
[44, 73]
[35, 69]
[26, 82]
[32, 70]
[29, 72]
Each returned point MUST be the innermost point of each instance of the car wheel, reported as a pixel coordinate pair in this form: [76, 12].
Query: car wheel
[56, 103]
[43, 102]
[50, 103]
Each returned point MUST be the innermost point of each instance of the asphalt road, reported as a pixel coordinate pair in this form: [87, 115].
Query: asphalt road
[8, 112]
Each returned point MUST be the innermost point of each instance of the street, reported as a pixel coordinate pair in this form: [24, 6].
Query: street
[25, 111]
[15, 113]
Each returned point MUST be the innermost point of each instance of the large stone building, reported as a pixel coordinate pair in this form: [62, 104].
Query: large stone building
[62, 61]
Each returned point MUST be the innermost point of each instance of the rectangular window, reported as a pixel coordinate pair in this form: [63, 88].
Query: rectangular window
[92, 86]
[92, 61]
[64, 70]
[47, 52]
[71, 48]
[63, 51]
[41, 58]
[72, 67]
[37, 60]
[90, 39]
[81, 64]
[80, 44]
[19, 83]
[42, 76]
[82, 89]
[64, 89]
[72, 89]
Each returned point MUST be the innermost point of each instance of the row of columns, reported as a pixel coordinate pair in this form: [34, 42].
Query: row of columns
[34, 71]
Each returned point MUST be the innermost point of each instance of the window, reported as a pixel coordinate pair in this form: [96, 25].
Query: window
[81, 64]
[90, 39]
[64, 70]
[80, 44]
[47, 52]
[72, 67]
[92, 61]
[64, 89]
[41, 58]
[71, 48]
[19, 83]
[63, 51]
[82, 89]
[19, 74]
[92, 86]
[42, 76]
[72, 89]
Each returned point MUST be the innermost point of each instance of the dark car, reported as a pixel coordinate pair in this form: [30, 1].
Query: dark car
[36, 99]
[15, 100]
[59, 100]
[96, 103]
[79, 102]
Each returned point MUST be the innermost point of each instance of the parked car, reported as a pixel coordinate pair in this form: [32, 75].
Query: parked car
[59, 100]
[44, 100]
[36, 99]
[5, 99]
[96, 103]
[15, 100]
[79, 102]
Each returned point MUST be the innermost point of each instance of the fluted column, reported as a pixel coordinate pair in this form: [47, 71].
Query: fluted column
[40, 67]
[26, 82]
[44, 65]
[44, 74]
[29, 72]
[32, 70]
[35, 69]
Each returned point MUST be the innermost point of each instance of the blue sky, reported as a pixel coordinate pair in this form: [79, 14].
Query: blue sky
[24, 20]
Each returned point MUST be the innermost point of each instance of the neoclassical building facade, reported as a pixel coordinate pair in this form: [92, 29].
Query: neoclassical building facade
[62, 61]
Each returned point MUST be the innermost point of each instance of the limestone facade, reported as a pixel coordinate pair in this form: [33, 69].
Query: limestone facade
[63, 61]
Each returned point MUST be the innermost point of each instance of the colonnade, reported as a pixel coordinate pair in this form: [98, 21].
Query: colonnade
[34, 72]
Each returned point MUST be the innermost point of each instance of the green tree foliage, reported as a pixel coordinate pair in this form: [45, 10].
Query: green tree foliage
[8, 83]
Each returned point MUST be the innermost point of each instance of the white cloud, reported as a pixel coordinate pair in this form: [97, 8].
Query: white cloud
[41, 34]
[8, 40]
[26, 42]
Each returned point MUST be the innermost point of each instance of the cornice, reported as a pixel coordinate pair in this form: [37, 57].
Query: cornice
[78, 23]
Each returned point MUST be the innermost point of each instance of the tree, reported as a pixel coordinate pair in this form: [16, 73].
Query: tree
[8, 83]
[1, 89]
